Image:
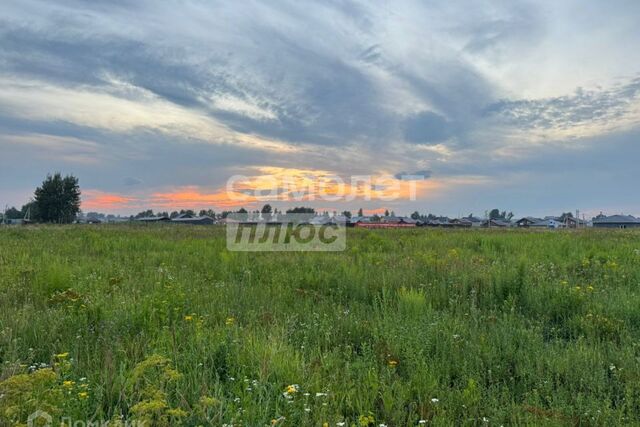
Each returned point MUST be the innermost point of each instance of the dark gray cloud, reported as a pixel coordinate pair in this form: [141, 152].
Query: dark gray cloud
[427, 128]
[413, 176]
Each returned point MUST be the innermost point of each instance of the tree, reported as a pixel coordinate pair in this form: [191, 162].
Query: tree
[565, 216]
[13, 213]
[58, 199]
[347, 214]
[494, 214]
[301, 210]
[360, 213]
[386, 212]
[242, 211]
[415, 215]
[145, 214]
[266, 209]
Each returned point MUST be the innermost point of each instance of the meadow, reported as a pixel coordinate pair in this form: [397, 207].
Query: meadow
[162, 324]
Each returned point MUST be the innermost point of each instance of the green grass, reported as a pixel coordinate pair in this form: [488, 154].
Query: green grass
[162, 323]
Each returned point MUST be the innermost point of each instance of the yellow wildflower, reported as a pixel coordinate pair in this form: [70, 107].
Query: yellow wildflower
[208, 401]
[188, 318]
[83, 395]
[230, 321]
[392, 363]
[177, 412]
[366, 420]
[62, 356]
[68, 383]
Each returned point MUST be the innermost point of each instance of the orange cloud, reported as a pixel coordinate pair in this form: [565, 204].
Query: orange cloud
[192, 197]
[290, 184]
[98, 200]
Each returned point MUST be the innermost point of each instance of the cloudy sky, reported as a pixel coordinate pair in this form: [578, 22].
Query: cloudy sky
[527, 106]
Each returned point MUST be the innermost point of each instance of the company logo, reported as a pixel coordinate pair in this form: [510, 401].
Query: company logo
[285, 232]
[39, 419]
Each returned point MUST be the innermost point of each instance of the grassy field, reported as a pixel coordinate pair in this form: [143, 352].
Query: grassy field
[404, 328]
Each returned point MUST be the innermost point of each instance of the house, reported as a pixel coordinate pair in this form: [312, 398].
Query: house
[527, 221]
[398, 220]
[616, 221]
[355, 220]
[461, 223]
[326, 219]
[549, 222]
[496, 223]
[193, 219]
[572, 222]
[18, 221]
[475, 222]
[153, 219]
[442, 222]
[384, 222]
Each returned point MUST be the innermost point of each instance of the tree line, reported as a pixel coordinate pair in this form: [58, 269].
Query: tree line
[56, 201]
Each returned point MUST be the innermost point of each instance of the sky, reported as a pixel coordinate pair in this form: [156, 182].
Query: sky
[530, 107]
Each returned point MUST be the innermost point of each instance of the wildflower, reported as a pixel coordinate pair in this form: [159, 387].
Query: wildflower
[208, 401]
[435, 400]
[177, 412]
[392, 363]
[293, 388]
[83, 395]
[188, 318]
[230, 321]
[611, 264]
[365, 420]
[68, 383]
[590, 288]
[321, 394]
[307, 409]
[421, 422]
[564, 282]
[578, 288]
[325, 424]
[485, 419]
[62, 356]
[340, 424]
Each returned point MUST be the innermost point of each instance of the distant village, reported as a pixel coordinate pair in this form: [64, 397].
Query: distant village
[493, 219]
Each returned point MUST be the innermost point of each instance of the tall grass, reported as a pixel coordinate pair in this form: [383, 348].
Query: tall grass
[163, 324]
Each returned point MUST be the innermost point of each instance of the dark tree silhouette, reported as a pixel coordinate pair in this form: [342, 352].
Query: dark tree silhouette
[58, 199]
